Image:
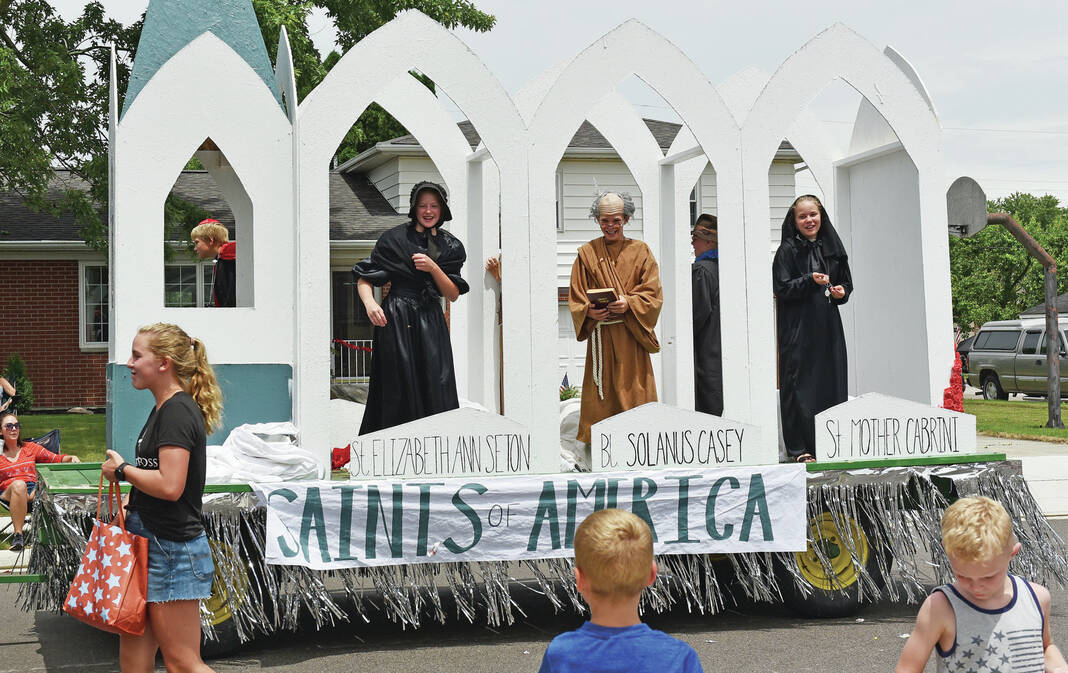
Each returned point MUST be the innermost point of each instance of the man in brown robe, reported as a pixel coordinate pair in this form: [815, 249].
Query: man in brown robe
[619, 373]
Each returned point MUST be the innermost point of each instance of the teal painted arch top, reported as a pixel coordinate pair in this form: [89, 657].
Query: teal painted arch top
[172, 24]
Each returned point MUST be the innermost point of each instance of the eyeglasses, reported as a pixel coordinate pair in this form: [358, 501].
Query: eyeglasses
[12, 426]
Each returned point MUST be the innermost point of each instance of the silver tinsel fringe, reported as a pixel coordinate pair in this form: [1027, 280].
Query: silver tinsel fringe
[899, 510]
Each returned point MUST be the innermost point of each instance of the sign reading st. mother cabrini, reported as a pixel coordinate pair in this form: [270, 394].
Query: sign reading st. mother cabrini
[875, 426]
[454, 443]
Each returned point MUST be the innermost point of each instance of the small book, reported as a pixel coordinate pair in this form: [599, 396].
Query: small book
[601, 297]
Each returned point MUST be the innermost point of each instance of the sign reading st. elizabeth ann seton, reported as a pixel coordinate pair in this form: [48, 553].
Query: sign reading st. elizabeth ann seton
[462, 441]
[326, 525]
[879, 427]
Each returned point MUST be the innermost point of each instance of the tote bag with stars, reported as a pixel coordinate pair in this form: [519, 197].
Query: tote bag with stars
[110, 586]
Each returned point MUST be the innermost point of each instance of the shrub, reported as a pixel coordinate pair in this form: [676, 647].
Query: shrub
[568, 392]
[16, 375]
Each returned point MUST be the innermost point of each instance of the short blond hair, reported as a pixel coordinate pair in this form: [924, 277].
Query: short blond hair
[976, 529]
[211, 231]
[614, 550]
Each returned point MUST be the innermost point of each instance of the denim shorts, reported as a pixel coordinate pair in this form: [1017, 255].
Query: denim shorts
[30, 486]
[177, 571]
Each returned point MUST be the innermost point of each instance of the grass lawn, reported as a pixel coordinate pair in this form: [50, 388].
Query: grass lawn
[79, 434]
[1015, 420]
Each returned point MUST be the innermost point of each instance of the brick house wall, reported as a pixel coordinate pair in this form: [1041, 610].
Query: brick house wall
[40, 323]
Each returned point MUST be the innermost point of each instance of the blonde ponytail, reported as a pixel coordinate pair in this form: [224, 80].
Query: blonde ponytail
[204, 389]
[190, 360]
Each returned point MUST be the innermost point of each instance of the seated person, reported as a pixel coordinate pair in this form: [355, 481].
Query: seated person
[613, 565]
[7, 393]
[211, 239]
[18, 473]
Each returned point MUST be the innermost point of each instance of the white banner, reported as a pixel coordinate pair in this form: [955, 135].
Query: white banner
[332, 524]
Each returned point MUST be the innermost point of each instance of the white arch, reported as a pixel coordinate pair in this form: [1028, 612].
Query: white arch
[154, 140]
[633, 48]
[806, 134]
[361, 76]
[838, 52]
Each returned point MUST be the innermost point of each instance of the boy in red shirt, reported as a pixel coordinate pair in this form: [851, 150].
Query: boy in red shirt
[211, 239]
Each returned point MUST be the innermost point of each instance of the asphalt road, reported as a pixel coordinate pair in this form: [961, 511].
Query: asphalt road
[747, 639]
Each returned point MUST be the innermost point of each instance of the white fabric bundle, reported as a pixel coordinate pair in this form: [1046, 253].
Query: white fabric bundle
[262, 452]
[574, 455]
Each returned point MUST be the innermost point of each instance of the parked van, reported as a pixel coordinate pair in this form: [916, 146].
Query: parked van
[1009, 356]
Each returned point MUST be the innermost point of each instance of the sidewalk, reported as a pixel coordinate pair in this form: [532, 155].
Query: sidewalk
[1045, 467]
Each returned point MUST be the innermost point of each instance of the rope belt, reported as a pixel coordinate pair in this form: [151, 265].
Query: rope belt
[598, 353]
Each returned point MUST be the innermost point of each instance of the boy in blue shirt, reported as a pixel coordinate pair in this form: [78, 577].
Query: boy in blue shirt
[613, 564]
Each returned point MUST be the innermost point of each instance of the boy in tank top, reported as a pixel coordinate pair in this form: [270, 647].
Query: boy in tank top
[986, 620]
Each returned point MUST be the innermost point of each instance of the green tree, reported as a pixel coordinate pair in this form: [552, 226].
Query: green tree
[15, 373]
[53, 105]
[54, 91]
[993, 276]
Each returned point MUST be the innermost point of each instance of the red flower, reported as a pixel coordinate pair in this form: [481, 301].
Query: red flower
[953, 396]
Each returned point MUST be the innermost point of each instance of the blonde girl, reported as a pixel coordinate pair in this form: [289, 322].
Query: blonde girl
[167, 482]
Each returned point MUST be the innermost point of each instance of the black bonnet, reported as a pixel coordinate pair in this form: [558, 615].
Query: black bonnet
[446, 214]
[830, 241]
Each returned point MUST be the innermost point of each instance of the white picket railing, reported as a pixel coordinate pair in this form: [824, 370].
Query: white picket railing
[350, 360]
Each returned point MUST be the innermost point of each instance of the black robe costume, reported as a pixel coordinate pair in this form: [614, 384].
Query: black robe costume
[224, 277]
[707, 344]
[412, 372]
[812, 349]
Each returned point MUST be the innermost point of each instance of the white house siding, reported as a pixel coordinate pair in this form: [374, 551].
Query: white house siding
[395, 178]
[706, 192]
[414, 170]
[782, 190]
[386, 178]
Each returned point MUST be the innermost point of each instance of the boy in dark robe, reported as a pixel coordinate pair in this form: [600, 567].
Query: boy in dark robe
[707, 360]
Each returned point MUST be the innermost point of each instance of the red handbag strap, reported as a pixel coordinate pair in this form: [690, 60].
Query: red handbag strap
[117, 491]
[114, 500]
[100, 496]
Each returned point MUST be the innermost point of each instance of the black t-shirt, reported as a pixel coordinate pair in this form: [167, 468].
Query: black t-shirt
[177, 423]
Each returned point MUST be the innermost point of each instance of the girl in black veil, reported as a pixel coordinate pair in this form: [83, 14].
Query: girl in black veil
[412, 373]
[811, 279]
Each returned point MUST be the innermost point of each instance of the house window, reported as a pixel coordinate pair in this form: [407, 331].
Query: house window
[180, 285]
[187, 285]
[207, 278]
[93, 305]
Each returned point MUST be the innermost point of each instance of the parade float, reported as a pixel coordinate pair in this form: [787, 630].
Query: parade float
[473, 503]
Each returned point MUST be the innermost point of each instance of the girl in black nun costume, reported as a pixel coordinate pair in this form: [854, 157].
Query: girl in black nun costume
[412, 373]
[811, 279]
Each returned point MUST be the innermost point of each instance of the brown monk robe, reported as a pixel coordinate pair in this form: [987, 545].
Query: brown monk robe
[621, 353]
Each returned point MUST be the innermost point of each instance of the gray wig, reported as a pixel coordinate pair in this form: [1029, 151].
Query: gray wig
[628, 204]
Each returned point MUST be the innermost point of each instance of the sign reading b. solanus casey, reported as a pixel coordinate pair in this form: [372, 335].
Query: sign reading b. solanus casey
[658, 436]
[326, 525]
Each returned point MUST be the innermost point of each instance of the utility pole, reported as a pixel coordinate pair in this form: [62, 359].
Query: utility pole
[1053, 331]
